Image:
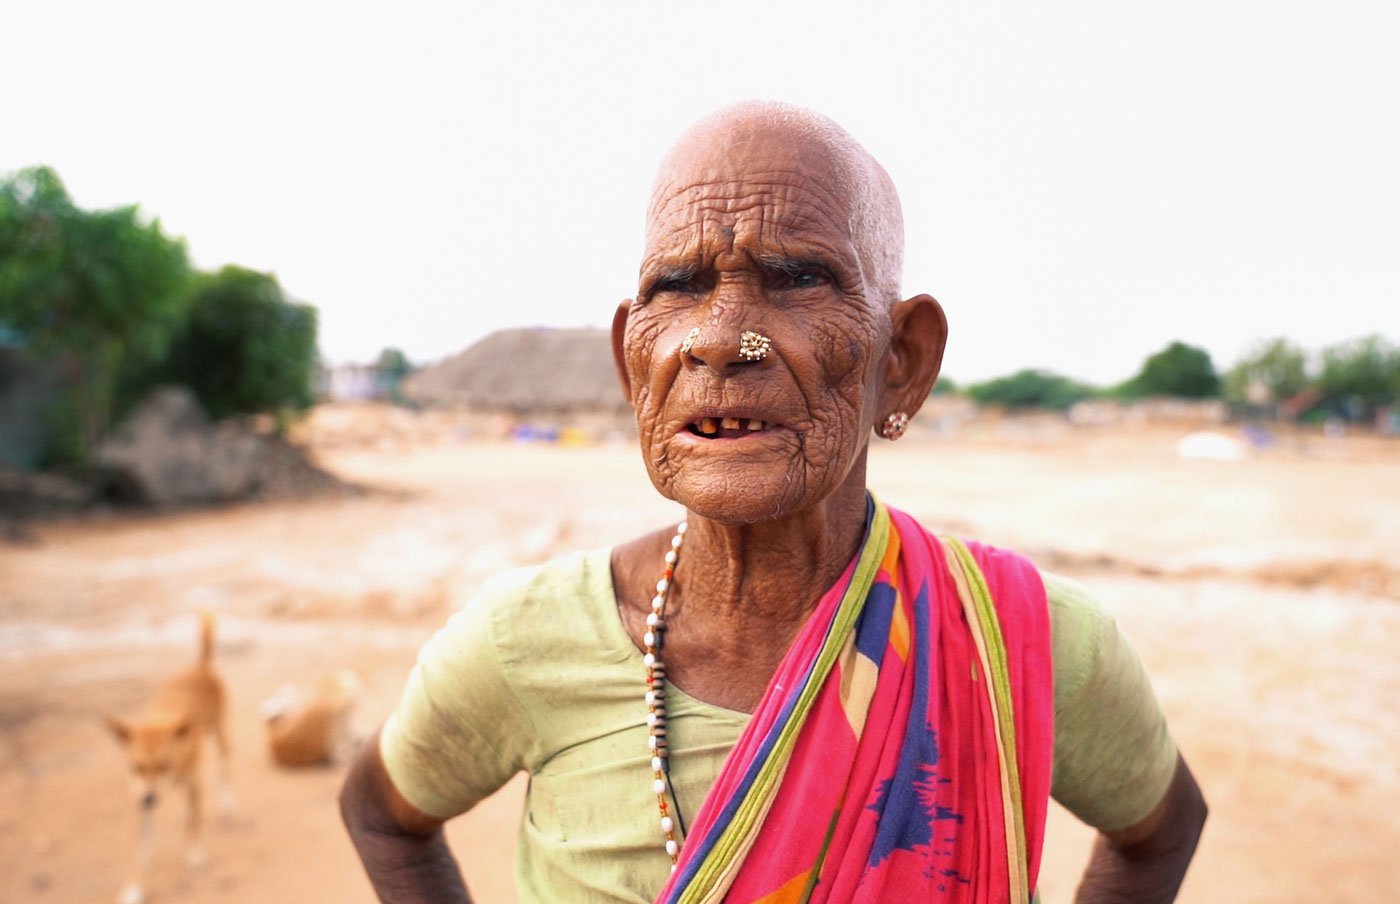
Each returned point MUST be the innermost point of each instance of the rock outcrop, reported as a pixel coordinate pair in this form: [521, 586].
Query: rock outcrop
[168, 453]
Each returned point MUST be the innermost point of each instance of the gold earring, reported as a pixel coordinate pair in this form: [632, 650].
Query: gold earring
[894, 426]
[754, 346]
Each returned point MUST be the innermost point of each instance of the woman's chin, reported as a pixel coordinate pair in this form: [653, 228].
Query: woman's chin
[749, 501]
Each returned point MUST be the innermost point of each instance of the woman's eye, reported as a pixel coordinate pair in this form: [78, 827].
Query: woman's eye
[802, 279]
[679, 282]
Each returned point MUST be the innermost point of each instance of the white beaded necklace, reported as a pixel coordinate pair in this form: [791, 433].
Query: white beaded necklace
[656, 697]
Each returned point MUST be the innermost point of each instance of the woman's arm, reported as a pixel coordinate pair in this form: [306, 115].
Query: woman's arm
[402, 848]
[1145, 862]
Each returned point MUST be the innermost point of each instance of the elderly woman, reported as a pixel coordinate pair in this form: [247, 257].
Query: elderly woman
[797, 693]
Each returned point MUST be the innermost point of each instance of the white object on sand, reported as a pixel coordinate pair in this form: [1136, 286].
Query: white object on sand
[1207, 446]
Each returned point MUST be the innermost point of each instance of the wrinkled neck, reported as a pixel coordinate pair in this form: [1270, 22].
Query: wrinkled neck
[771, 573]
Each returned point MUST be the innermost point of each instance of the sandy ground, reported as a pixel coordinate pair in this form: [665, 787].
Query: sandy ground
[1263, 595]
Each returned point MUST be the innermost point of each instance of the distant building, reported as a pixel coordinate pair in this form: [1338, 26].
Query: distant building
[525, 373]
[351, 382]
[28, 389]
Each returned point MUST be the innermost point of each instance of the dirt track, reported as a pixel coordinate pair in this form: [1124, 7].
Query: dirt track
[1263, 595]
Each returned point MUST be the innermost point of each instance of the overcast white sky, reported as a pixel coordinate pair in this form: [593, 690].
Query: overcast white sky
[1082, 181]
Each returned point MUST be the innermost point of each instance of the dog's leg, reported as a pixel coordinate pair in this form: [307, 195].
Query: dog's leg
[228, 801]
[194, 851]
[134, 891]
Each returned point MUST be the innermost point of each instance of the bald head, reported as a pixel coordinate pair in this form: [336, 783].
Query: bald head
[875, 219]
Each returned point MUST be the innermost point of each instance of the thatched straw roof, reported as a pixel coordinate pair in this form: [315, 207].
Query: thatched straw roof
[524, 371]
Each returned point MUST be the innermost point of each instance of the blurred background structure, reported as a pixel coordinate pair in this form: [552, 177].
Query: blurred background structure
[302, 321]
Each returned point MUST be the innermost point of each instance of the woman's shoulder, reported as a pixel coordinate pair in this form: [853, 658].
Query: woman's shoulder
[1078, 622]
[1077, 619]
[1000, 564]
[556, 612]
[574, 576]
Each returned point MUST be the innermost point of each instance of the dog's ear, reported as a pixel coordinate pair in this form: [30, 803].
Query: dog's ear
[119, 728]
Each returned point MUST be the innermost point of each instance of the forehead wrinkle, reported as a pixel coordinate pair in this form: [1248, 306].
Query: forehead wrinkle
[837, 162]
[764, 247]
[780, 215]
[738, 192]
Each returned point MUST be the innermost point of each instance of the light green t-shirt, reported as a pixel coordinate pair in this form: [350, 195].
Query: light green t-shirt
[538, 674]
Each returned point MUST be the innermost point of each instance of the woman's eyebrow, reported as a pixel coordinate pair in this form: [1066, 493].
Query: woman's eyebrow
[677, 272]
[792, 265]
[665, 273]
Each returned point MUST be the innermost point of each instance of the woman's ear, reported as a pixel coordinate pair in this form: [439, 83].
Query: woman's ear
[918, 334]
[619, 332]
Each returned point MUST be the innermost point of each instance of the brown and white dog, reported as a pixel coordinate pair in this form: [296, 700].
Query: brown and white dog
[314, 731]
[163, 746]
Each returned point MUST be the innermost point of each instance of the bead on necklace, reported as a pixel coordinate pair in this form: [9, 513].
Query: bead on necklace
[656, 696]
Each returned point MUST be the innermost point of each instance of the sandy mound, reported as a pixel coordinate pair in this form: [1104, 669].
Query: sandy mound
[524, 371]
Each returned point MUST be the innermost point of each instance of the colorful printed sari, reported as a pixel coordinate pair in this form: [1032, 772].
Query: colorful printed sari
[902, 751]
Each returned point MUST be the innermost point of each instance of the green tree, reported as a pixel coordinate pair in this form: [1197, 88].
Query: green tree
[1274, 370]
[1361, 375]
[945, 386]
[245, 348]
[393, 365]
[1031, 389]
[1180, 370]
[92, 291]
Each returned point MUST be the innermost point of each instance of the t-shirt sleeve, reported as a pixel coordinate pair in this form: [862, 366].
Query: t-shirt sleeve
[459, 732]
[1114, 757]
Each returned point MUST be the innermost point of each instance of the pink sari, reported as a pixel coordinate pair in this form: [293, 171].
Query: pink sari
[902, 750]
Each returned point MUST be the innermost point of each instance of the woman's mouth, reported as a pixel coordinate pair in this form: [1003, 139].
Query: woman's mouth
[726, 427]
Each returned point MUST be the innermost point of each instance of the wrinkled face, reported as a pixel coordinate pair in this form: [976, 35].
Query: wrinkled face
[755, 237]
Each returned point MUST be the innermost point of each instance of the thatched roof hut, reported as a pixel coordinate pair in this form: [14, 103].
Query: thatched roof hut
[524, 372]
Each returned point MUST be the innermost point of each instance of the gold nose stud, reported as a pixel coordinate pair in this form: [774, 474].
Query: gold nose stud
[754, 346]
[689, 342]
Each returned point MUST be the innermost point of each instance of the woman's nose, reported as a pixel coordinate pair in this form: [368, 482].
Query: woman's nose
[724, 349]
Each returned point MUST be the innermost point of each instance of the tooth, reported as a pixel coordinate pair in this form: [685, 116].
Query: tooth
[707, 425]
[755, 424]
[730, 423]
